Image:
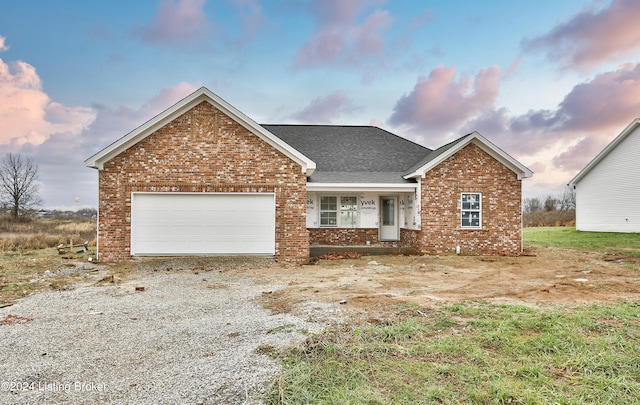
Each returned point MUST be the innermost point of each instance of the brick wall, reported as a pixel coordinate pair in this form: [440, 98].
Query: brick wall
[342, 236]
[358, 237]
[471, 170]
[202, 150]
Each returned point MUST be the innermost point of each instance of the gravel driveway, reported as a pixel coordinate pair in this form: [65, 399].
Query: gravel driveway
[186, 339]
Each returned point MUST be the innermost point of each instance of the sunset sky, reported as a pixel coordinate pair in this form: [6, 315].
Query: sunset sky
[550, 82]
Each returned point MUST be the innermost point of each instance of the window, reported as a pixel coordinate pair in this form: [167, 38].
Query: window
[343, 215]
[471, 209]
[328, 211]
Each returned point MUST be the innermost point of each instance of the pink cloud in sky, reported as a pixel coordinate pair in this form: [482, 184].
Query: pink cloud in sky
[591, 36]
[323, 109]
[604, 102]
[27, 114]
[340, 37]
[442, 102]
[588, 117]
[442, 107]
[62, 153]
[174, 23]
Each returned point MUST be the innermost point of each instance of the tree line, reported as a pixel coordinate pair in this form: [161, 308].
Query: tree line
[552, 210]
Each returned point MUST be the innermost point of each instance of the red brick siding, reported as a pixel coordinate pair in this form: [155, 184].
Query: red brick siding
[471, 170]
[342, 236]
[202, 150]
[357, 237]
[410, 237]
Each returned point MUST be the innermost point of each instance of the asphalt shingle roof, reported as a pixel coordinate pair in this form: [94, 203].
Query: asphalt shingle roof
[352, 154]
[434, 154]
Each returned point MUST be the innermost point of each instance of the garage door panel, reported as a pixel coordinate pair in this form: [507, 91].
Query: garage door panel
[202, 223]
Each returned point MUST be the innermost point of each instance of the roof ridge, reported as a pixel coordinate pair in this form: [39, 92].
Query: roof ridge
[319, 125]
[351, 126]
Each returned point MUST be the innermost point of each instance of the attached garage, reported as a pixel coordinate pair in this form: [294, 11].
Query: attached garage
[202, 224]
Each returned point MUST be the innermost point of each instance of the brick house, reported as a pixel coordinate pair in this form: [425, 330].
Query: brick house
[202, 178]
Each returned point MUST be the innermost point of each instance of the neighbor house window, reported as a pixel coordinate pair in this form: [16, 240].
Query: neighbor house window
[471, 209]
[338, 211]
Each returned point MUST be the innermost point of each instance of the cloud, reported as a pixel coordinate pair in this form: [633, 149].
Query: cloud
[324, 109]
[176, 23]
[420, 20]
[588, 117]
[61, 156]
[111, 124]
[340, 37]
[591, 37]
[604, 102]
[3, 46]
[250, 13]
[557, 141]
[27, 114]
[601, 103]
[439, 102]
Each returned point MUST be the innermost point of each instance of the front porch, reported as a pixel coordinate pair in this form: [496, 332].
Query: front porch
[365, 241]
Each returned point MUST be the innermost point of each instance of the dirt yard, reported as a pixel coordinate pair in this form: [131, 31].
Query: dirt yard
[380, 283]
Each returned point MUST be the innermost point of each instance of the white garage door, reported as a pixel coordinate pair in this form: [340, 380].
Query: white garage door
[202, 224]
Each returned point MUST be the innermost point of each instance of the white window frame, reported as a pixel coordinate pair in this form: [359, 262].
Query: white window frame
[471, 210]
[338, 211]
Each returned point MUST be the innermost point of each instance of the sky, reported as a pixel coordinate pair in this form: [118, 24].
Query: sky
[549, 82]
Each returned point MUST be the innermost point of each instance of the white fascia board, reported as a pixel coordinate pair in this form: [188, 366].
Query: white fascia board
[484, 144]
[202, 94]
[363, 187]
[603, 153]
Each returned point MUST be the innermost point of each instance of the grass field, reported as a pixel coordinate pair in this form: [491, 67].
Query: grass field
[478, 353]
[569, 238]
[472, 353]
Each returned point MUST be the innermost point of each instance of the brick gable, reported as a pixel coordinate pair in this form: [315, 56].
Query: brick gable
[471, 170]
[202, 150]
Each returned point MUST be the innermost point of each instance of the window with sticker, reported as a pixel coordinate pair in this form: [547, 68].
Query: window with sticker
[471, 210]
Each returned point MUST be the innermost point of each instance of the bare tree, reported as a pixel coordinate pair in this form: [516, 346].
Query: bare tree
[19, 188]
[568, 199]
[532, 204]
[550, 203]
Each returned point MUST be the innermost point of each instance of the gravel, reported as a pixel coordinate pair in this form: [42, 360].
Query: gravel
[187, 338]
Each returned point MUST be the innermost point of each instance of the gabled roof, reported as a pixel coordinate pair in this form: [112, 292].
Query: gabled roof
[203, 94]
[352, 154]
[623, 135]
[444, 152]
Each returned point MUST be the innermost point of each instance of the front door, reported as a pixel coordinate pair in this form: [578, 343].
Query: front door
[389, 229]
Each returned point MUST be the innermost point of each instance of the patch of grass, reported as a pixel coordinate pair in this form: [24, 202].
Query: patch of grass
[474, 353]
[15, 286]
[17, 269]
[570, 238]
[632, 266]
[287, 327]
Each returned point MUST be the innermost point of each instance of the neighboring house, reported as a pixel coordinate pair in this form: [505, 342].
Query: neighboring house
[607, 190]
[202, 178]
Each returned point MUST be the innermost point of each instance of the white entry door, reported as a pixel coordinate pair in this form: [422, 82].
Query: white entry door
[202, 224]
[389, 227]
